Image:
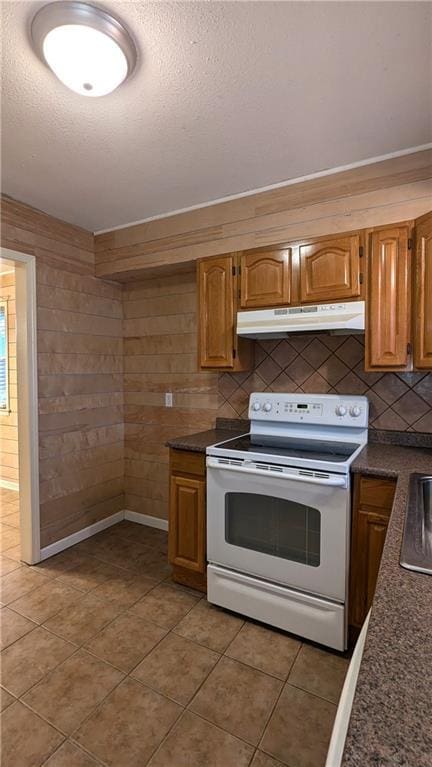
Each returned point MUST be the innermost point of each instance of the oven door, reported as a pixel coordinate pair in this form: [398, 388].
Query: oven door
[288, 529]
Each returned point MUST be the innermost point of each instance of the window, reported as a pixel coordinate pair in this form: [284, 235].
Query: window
[4, 372]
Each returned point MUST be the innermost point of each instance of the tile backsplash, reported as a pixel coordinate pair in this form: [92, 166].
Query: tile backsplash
[329, 364]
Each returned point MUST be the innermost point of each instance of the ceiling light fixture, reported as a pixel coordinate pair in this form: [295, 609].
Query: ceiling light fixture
[87, 49]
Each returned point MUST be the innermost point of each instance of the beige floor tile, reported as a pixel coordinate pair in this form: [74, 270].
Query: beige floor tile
[60, 563]
[267, 649]
[12, 519]
[8, 565]
[30, 658]
[209, 626]
[129, 726]
[125, 588]
[237, 698]
[14, 553]
[18, 583]
[319, 672]
[46, 600]
[69, 755]
[126, 641]
[27, 741]
[195, 743]
[88, 574]
[71, 692]
[9, 537]
[176, 667]
[6, 699]
[83, 619]
[165, 606]
[299, 730]
[13, 626]
[264, 760]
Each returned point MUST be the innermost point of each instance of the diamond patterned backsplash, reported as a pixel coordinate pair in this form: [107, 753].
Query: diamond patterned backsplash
[328, 364]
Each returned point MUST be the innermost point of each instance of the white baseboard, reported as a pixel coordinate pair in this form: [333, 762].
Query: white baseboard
[146, 519]
[8, 485]
[81, 535]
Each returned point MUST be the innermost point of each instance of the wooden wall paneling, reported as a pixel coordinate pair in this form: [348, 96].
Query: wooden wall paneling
[80, 371]
[422, 315]
[160, 356]
[373, 195]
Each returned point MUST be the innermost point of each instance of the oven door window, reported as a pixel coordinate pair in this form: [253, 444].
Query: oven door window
[274, 526]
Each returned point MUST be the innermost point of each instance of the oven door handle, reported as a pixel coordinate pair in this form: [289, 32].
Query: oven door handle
[330, 482]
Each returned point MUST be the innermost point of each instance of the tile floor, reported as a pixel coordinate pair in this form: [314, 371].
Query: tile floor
[106, 662]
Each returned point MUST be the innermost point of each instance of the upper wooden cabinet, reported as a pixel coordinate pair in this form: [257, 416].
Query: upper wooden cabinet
[388, 311]
[423, 293]
[265, 278]
[218, 345]
[330, 269]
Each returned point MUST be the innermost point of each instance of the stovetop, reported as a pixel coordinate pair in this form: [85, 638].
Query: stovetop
[311, 449]
[322, 431]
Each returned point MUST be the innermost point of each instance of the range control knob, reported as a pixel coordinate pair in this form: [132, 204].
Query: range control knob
[341, 410]
[256, 406]
[355, 411]
[267, 407]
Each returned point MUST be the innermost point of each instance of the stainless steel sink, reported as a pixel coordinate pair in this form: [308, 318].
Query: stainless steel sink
[416, 553]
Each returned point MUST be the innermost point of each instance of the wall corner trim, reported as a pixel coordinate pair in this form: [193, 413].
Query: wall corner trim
[97, 527]
[146, 519]
[80, 535]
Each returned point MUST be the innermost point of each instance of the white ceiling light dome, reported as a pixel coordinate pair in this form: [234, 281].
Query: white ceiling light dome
[89, 50]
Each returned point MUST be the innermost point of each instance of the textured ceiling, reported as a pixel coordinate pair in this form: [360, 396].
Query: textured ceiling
[228, 97]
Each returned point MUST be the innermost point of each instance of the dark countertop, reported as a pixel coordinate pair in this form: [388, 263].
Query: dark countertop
[226, 428]
[391, 722]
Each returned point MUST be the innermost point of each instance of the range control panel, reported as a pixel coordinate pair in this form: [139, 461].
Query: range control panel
[325, 409]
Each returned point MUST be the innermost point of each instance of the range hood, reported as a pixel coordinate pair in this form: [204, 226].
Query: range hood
[341, 319]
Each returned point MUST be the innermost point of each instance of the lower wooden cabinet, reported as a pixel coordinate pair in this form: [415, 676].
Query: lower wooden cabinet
[187, 518]
[372, 504]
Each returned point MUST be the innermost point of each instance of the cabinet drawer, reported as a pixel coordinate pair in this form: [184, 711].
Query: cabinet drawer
[376, 492]
[187, 462]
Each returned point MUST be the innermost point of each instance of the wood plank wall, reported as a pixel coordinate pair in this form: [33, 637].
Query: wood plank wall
[80, 366]
[160, 344]
[9, 421]
[384, 192]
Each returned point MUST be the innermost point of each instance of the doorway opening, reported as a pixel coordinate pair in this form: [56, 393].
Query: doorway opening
[19, 451]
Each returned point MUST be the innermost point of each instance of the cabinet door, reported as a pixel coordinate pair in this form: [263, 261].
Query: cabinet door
[388, 310]
[216, 312]
[265, 279]
[373, 499]
[423, 294]
[330, 269]
[187, 523]
[371, 531]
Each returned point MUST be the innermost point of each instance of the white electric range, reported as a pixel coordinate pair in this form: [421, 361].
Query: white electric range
[278, 513]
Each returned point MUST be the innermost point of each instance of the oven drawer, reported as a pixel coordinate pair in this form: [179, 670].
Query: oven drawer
[316, 619]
